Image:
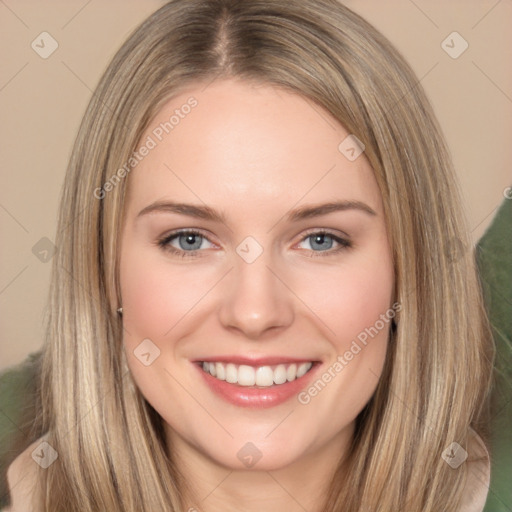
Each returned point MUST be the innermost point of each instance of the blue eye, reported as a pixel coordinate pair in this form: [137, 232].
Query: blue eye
[324, 241]
[190, 242]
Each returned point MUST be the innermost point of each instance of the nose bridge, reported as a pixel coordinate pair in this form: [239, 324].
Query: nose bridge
[255, 299]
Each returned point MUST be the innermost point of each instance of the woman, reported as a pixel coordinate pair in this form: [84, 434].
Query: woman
[257, 371]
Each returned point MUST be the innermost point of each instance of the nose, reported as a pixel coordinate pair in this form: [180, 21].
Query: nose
[255, 299]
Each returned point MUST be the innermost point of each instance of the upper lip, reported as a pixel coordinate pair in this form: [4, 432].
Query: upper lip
[254, 361]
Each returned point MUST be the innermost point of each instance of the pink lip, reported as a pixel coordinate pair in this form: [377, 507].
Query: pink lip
[256, 397]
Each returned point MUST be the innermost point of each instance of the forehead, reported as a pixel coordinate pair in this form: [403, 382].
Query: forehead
[247, 145]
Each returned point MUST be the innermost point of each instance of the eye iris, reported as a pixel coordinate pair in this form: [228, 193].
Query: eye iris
[190, 239]
[320, 239]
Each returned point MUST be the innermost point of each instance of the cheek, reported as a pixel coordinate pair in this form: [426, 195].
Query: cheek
[155, 299]
[354, 304]
[156, 295]
[350, 298]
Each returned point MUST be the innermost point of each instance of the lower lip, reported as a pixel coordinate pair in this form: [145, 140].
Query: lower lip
[270, 396]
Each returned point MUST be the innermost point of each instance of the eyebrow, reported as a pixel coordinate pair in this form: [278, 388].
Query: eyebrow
[207, 213]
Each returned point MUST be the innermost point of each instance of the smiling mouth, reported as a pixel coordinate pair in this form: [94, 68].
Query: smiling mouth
[256, 376]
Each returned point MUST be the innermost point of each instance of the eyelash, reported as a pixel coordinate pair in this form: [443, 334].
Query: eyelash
[164, 242]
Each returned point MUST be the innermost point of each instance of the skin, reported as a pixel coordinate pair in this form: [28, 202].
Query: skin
[254, 153]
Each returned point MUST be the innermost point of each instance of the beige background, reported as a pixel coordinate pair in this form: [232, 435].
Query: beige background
[42, 101]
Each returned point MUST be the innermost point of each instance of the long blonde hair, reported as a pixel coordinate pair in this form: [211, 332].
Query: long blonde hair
[112, 451]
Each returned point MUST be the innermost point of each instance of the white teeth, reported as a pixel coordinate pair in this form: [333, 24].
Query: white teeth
[263, 376]
[246, 375]
[291, 373]
[231, 373]
[301, 370]
[280, 374]
[221, 371]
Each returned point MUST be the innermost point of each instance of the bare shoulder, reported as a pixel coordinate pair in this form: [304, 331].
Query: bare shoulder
[478, 476]
[21, 479]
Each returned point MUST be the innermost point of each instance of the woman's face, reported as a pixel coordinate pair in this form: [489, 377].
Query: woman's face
[270, 280]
